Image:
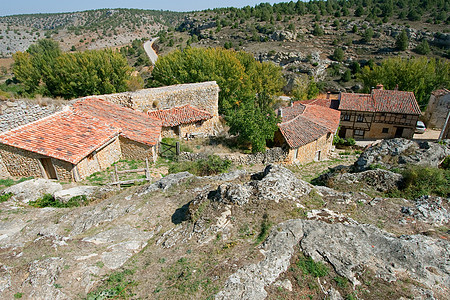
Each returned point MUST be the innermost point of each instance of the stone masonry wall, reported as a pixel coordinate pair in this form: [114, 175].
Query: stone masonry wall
[63, 169]
[308, 153]
[204, 95]
[88, 166]
[437, 110]
[109, 154]
[135, 150]
[273, 155]
[3, 170]
[20, 162]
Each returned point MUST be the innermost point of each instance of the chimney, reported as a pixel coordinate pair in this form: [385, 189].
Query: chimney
[280, 112]
[380, 87]
[328, 95]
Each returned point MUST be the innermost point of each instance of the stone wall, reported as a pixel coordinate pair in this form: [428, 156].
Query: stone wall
[310, 152]
[203, 95]
[109, 154]
[273, 155]
[88, 166]
[63, 169]
[134, 150]
[20, 163]
[3, 170]
[437, 110]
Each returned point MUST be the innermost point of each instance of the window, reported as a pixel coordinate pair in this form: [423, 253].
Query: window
[360, 118]
[385, 130]
[359, 132]
[346, 117]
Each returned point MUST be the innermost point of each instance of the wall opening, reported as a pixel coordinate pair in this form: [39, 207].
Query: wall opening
[49, 169]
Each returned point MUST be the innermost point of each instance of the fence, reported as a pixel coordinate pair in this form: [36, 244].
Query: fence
[116, 180]
[175, 149]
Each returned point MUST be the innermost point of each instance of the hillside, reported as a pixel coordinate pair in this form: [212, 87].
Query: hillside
[248, 234]
[327, 40]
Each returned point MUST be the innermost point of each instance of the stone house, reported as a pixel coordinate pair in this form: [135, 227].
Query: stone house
[438, 108]
[306, 132]
[84, 138]
[184, 121]
[382, 114]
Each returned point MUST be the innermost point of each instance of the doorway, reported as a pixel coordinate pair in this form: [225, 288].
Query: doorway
[399, 132]
[49, 169]
[342, 132]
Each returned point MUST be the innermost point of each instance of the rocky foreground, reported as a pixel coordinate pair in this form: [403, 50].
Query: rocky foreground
[231, 236]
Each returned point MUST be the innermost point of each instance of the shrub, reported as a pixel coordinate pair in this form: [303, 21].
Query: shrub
[418, 181]
[265, 229]
[49, 201]
[5, 197]
[203, 167]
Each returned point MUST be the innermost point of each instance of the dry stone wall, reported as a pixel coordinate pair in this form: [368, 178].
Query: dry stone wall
[20, 162]
[135, 150]
[204, 95]
[273, 155]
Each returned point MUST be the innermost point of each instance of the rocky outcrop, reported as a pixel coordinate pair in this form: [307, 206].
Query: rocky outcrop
[350, 249]
[381, 180]
[429, 209]
[167, 182]
[401, 152]
[31, 190]
[65, 195]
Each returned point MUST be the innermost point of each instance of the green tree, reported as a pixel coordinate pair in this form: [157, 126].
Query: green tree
[367, 35]
[338, 54]
[402, 42]
[44, 69]
[246, 86]
[318, 31]
[418, 75]
[347, 76]
[423, 48]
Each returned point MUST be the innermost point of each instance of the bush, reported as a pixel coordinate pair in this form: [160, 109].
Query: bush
[203, 167]
[49, 201]
[419, 181]
[338, 141]
[5, 197]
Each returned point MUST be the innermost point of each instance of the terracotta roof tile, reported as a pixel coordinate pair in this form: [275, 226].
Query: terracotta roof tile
[327, 117]
[290, 112]
[134, 125]
[180, 115]
[310, 123]
[73, 134]
[390, 101]
[68, 135]
[357, 102]
[330, 103]
[301, 131]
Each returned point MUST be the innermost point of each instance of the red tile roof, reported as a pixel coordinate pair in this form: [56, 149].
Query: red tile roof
[330, 103]
[301, 131]
[134, 125]
[358, 102]
[73, 134]
[312, 122]
[389, 101]
[180, 115]
[290, 112]
[68, 135]
[326, 117]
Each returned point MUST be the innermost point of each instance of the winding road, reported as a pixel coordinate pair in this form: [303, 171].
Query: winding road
[149, 50]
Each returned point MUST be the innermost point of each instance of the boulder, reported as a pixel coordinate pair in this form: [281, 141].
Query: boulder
[31, 190]
[65, 195]
[429, 209]
[351, 249]
[381, 180]
[166, 182]
[400, 152]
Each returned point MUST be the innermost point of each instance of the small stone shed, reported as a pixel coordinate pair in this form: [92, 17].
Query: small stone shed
[184, 121]
[84, 138]
[306, 131]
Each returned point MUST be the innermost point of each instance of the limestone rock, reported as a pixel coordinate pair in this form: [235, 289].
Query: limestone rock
[167, 182]
[381, 180]
[279, 183]
[429, 209]
[31, 190]
[65, 195]
[5, 278]
[350, 249]
[231, 193]
[43, 274]
[397, 152]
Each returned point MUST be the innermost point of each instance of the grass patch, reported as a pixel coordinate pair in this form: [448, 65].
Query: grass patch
[308, 266]
[419, 181]
[116, 286]
[203, 167]
[49, 201]
[5, 197]
[18, 295]
[9, 182]
[265, 229]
